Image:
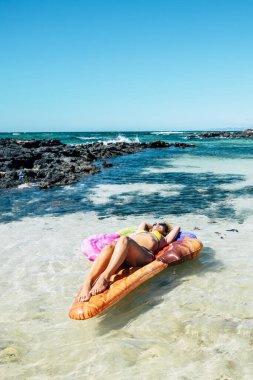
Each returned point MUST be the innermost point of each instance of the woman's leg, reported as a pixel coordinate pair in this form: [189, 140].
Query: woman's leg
[126, 249]
[98, 267]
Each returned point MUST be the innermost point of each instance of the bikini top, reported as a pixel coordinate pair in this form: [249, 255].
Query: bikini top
[158, 236]
[156, 233]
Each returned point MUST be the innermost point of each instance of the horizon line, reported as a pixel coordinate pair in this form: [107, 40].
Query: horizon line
[131, 131]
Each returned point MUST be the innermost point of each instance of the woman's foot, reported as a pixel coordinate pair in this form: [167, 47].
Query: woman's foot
[85, 295]
[100, 285]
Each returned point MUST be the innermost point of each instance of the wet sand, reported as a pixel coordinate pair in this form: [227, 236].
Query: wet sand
[193, 321]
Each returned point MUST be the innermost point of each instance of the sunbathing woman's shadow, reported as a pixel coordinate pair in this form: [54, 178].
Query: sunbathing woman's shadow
[151, 293]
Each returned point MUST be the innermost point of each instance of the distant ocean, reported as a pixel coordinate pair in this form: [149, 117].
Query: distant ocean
[196, 192]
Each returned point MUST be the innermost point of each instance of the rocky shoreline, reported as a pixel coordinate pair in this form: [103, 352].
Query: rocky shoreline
[247, 134]
[49, 163]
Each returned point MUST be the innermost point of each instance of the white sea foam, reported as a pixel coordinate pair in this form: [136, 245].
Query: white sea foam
[166, 133]
[27, 185]
[86, 138]
[121, 138]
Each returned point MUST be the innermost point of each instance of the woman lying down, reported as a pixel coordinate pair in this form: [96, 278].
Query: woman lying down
[135, 250]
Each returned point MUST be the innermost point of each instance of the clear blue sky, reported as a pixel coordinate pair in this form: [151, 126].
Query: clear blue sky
[125, 64]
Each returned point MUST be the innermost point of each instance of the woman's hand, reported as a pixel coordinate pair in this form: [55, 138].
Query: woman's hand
[172, 235]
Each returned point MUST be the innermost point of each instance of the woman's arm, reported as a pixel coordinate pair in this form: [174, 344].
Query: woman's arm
[172, 235]
[144, 226]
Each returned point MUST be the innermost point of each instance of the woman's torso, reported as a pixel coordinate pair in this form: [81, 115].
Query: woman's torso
[149, 240]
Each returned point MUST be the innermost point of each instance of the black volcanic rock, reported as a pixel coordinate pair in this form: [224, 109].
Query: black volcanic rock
[107, 164]
[49, 162]
[247, 134]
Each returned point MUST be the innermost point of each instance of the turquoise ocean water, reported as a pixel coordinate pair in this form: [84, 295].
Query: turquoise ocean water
[199, 193]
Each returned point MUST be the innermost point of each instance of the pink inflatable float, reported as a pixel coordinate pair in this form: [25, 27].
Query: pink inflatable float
[92, 245]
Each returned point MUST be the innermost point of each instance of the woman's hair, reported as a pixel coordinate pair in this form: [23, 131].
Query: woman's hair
[170, 228]
[167, 226]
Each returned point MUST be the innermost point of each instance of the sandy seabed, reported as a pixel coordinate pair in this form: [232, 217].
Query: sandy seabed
[193, 321]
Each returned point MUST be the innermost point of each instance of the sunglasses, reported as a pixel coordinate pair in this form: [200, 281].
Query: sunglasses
[160, 224]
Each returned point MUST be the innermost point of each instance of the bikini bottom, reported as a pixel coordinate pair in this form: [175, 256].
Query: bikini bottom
[124, 265]
[148, 251]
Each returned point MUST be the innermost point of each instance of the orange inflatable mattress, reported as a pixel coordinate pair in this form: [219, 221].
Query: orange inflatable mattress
[127, 279]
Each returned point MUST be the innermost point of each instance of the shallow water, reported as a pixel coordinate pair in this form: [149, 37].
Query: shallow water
[193, 321]
[156, 181]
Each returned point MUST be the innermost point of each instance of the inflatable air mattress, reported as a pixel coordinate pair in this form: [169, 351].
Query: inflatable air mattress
[127, 279]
